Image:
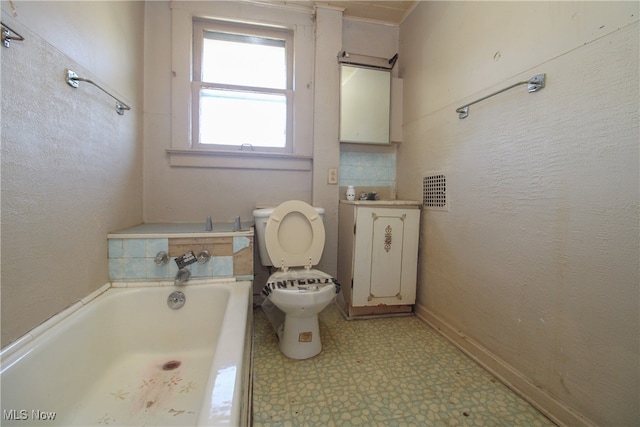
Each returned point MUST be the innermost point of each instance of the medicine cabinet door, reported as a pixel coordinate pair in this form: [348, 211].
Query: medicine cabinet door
[365, 105]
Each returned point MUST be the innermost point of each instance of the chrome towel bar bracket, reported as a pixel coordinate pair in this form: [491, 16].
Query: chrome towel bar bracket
[534, 84]
[72, 80]
[8, 34]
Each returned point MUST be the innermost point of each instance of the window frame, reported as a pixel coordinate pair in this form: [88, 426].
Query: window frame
[200, 27]
[181, 152]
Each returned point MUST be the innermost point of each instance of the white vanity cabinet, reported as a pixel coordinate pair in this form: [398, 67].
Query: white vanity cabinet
[378, 256]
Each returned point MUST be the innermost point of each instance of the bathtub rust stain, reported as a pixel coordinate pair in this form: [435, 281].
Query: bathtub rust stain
[151, 398]
[147, 383]
[187, 388]
[159, 390]
[171, 365]
[156, 390]
[174, 380]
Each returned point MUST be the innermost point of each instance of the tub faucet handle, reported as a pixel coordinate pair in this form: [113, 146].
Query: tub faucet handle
[204, 256]
[161, 258]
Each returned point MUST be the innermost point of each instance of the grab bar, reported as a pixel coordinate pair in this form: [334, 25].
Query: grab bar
[73, 79]
[534, 84]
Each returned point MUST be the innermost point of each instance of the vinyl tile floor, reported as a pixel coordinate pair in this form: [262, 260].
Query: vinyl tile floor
[393, 371]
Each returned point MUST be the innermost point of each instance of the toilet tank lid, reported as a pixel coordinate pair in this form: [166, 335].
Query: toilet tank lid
[262, 213]
[267, 211]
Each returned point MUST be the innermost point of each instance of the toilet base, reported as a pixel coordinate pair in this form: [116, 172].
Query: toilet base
[300, 337]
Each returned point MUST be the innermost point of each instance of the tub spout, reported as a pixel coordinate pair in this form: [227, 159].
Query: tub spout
[182, 276]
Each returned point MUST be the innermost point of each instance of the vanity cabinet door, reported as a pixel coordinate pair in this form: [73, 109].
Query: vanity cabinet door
[385, 258]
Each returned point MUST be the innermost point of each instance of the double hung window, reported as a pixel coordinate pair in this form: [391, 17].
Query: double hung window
[242, 87]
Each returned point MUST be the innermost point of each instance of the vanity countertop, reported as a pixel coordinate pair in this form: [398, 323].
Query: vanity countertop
[382, 202]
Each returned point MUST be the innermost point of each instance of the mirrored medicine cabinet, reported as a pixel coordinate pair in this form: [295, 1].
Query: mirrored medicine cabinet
[365, 105]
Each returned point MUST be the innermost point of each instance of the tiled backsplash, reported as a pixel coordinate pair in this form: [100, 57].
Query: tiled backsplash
[133, 258]
[367, 169]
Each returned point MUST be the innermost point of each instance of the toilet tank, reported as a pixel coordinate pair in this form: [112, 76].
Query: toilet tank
[260, 217]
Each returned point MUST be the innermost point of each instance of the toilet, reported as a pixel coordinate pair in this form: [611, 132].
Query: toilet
[291, 239]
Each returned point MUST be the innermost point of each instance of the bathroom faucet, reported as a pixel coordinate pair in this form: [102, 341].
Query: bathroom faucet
[182, 276]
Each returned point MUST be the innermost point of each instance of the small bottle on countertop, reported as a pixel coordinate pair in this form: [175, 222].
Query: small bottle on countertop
[351, 193]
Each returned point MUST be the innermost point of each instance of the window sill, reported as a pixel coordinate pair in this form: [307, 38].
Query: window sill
[238, 160]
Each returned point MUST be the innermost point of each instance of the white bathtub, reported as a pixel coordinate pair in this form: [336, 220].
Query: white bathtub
[126, 358]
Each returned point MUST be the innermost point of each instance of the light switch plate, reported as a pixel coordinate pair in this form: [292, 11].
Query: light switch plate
[332, 176]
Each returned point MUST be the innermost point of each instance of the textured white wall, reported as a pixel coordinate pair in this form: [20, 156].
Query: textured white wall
[71, 166]
[537, 259]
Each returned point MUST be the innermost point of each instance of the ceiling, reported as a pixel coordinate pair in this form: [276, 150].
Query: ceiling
[392, 12]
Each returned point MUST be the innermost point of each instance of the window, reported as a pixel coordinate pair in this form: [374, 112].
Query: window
[242, 87]
[190, 23]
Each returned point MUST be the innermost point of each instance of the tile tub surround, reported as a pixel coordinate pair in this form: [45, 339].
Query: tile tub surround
[378, 372]
[132, 252]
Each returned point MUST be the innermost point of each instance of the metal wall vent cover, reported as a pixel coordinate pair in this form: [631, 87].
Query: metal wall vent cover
[434, 192]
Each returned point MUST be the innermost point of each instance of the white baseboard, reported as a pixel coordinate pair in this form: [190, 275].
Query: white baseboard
[551, 407]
